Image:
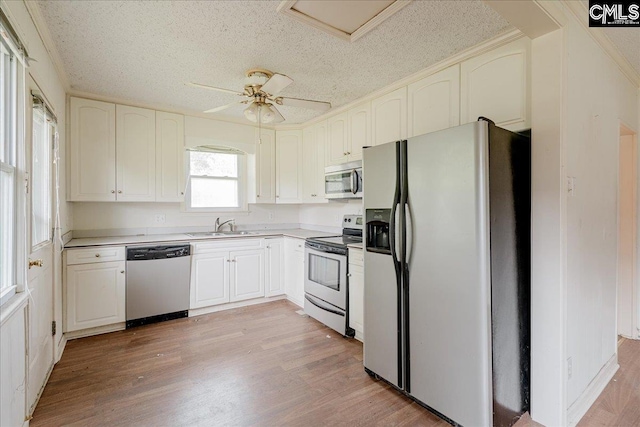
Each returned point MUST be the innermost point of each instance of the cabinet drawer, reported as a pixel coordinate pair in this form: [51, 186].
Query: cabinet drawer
[356, 257]
[227, 244]
[97, 254]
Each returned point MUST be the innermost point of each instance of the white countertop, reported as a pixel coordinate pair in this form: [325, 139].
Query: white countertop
[181, 237]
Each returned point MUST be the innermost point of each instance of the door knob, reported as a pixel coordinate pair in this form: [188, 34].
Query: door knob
[35, 263]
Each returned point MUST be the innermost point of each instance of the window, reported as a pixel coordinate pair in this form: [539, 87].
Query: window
[43, 133]
[215, 180]
[8, 204]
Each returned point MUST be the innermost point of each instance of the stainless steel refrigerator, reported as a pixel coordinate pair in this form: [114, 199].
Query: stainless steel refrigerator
[447, 271]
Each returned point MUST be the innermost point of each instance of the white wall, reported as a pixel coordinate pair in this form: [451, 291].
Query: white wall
[141, 216]
[328, 214]
[598, 98]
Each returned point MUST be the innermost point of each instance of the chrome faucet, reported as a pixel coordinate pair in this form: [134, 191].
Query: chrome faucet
[219, 225]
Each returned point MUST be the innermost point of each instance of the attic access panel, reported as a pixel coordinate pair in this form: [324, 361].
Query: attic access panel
[348, 20]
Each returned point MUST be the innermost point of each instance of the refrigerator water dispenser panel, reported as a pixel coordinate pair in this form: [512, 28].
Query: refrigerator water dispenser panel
[378, 230]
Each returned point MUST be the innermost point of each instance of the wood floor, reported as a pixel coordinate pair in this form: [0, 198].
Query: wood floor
[263, 365]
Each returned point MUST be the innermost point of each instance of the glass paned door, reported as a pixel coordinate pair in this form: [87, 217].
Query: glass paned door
[41, 179]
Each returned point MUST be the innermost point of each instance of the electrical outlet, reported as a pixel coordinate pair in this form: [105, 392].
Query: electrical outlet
[569, 368]
[160, 218]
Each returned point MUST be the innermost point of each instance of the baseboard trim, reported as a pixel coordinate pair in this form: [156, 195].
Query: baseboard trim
[296, 302]
[580, 407]
[95, 331]
[61, 346]
[232, 305]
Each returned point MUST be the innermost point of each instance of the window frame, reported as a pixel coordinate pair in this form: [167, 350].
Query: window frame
[13, 161]
[241, 180]
[49, 126]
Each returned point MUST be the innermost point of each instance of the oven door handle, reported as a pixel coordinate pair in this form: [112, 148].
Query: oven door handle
[339, 313]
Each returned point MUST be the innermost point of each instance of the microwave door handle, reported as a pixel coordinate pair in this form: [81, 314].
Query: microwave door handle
[354, 181]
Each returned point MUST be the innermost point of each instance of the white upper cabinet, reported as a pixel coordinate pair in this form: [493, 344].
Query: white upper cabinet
[289, 166]
[135, 154]
[389, 115]
[434, 102]
[313, 163]
[337, 142]
[92, 165]
[170, 179]
[496, 85]
[359, 130]
[265, 166]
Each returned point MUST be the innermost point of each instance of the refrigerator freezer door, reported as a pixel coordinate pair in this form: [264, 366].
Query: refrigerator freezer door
[449, 276]
[381, 293]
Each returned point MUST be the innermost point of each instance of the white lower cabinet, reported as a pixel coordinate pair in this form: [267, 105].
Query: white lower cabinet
[209, 279]
[294, 269]
[274, 264]
[247, 274]
[356, 292]
[95, 295]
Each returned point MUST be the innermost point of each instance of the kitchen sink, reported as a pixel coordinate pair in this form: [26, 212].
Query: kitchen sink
[221, 233]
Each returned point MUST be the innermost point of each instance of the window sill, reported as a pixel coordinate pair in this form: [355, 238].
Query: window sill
[15, 303]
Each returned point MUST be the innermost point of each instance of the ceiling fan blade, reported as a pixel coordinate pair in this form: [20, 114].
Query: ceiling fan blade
[304, 103]
[219, 89]
[224, 107]
[276, 83]
[278, 117]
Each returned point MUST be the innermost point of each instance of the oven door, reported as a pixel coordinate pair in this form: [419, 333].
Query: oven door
[343, 184]
[325, 276]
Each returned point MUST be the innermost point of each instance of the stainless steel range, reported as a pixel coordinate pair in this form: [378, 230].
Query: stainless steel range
[326, 283]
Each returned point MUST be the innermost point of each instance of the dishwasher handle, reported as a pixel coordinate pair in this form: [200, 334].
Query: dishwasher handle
[157, 252]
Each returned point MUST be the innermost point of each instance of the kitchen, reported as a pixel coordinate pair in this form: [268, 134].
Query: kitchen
[137, 167]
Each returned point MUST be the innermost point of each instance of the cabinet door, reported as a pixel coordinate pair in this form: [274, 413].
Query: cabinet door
[288, 166]
[389, 117]
[359, 130]
[169, 157]
[274, 268]
[247, 274]
[135, 154]
[356, 299]
[310, 165]
[434, 102]
[265, 166]
[294, 270]
[337, 139]
[321, 146]
[209, 279]
[496, 85]
[95, 295]
[92, 148]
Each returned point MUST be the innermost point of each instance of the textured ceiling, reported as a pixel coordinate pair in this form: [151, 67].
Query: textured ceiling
[627, 40]
[146, 50]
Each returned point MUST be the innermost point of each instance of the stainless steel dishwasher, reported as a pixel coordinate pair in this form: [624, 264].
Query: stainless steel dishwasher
[157, 283]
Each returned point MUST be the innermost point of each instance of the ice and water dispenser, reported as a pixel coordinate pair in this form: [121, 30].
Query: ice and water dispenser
[378, 230]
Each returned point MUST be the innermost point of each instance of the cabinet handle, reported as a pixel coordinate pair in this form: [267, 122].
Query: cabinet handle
[119, 191]
[257, 195]
[182, 193]
[228, 260]
[233, 260]
[122, 271]
[348, 152]
[268, 247]
[348, 274]
[277, 196]
[97, 255]
[113, 191]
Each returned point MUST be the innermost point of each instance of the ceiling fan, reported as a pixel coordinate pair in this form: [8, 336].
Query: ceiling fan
[260, 90]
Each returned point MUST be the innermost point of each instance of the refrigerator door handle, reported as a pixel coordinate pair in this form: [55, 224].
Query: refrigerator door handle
[409, 222]
[394, 236]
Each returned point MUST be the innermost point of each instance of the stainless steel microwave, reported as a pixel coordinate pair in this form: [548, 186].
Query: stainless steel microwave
[343, 181]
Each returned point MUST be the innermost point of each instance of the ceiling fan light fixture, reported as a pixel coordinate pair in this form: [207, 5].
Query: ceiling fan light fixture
[260, 112]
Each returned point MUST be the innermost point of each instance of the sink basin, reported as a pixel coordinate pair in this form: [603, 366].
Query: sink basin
[236, 233]
[221, 233]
